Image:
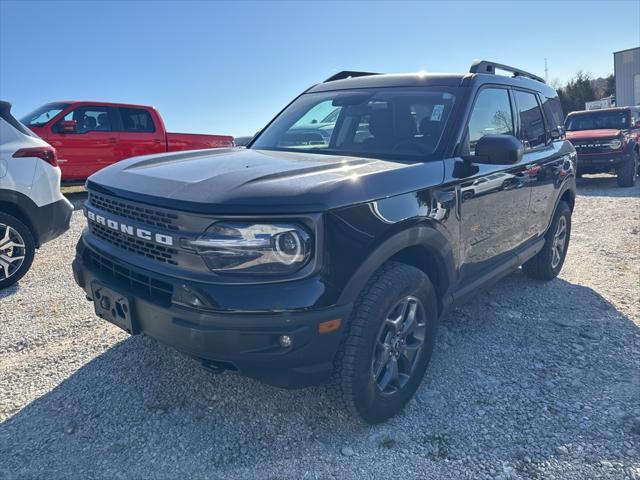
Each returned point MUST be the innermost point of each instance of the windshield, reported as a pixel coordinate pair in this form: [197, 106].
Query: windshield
[597, 120]
[383, 122]
[42, 115]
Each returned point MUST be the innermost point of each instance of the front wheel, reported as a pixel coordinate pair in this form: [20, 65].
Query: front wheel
[547, 263]
[628, 172]
[17, 249]
[387, 345]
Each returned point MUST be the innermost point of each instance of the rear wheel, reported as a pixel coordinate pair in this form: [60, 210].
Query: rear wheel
[546, 265]
[17, 249]
[388, 343]
[628, 172]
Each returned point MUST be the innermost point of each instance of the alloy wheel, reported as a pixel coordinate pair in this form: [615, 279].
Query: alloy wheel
[398, 345]
[12, 251]
[559, 242]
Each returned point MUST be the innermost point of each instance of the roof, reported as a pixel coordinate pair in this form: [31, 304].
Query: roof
[627, 50]
[98, 102]
[422, 79]
[610, 109]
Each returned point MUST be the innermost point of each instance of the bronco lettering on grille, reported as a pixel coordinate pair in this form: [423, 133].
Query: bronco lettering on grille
[131, 230]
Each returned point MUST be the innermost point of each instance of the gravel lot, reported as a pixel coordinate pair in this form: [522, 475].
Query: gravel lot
[528, 380]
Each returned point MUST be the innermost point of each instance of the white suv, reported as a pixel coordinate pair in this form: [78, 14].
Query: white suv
[32, 209]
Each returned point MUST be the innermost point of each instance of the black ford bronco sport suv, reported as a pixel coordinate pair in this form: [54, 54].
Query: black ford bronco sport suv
[328, 249]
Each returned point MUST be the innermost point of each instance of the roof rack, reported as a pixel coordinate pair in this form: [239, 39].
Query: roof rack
[485, 66]
[348, 74]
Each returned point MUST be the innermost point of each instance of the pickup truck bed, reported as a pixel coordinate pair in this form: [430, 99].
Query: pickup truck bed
[195, 141]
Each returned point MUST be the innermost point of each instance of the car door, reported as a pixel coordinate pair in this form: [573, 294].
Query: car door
[139, 133]
[544, 156]
[494, 199]
[92, 146]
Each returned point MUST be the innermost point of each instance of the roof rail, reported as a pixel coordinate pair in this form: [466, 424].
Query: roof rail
[485, 66]
[348, 74]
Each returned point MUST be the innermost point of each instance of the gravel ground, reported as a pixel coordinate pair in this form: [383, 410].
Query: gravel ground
[528, 380]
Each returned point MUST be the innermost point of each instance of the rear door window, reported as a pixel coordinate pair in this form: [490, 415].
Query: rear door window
[532, 129]
[136, 120]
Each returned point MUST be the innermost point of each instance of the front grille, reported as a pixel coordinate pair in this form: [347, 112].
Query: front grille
[160, 292]
[134, 245]
[593, 147]
[141, 214]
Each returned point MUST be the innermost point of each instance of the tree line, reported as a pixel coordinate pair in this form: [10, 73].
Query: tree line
[583, 88]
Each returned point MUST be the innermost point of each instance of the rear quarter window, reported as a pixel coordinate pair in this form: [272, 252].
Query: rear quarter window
[553, 112]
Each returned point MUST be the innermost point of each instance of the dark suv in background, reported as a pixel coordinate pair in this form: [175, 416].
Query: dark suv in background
[330, 256]
[607, 141]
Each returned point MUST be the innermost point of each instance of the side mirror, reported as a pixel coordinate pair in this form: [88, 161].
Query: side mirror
[557, 133]
[68, 126]
[498, 150]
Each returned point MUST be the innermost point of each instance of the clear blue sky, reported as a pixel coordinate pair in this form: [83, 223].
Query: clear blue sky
[216, 67]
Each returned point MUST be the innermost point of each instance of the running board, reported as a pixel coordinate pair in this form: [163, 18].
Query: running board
[471, 289]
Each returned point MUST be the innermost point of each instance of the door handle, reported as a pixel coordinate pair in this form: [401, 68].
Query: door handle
[113, 140]
[157, 141]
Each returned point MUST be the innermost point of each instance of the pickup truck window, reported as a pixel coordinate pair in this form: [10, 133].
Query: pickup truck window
[380, 122]
[42, 115]
[532, 132]
[136, 120]
[491, 115]
[88, 119]
[594, 120]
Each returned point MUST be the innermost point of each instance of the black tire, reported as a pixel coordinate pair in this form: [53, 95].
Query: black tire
[543, 266]
[628, 172]
[352, 383]
[27, 251]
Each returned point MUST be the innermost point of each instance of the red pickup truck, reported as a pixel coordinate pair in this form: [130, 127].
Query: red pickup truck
[89, 136]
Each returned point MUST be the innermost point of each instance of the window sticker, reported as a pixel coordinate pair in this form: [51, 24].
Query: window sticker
[436, 113]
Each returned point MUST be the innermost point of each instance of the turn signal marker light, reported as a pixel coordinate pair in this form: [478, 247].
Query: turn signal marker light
[329, 326]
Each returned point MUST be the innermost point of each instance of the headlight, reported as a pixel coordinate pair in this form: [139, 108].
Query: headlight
[615, 144]
[254, 248]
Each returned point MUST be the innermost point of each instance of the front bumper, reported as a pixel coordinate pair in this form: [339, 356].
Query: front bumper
[245, 341]
[52, 220]
[605, 162]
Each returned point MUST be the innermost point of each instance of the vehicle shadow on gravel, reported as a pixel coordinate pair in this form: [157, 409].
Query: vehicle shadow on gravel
[6, 292]
[524, 375]
[77, 199]
[605, 186]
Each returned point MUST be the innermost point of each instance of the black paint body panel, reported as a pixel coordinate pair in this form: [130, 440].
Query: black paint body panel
[465, 223]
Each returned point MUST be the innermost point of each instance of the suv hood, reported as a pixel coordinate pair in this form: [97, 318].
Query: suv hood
[598, 133]
[257, 181]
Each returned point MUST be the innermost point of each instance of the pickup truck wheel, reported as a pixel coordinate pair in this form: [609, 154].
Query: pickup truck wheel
[387, 345]
[546, 265]
[628, 172]
[17, 249]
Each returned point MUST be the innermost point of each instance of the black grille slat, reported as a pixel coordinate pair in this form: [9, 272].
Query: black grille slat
[593, 147]
[148, 216]
[140, 284]
[134, 245]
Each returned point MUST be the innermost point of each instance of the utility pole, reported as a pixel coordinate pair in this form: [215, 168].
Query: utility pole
[546, 71]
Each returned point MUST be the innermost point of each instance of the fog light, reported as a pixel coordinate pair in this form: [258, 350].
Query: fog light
[285, 341]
